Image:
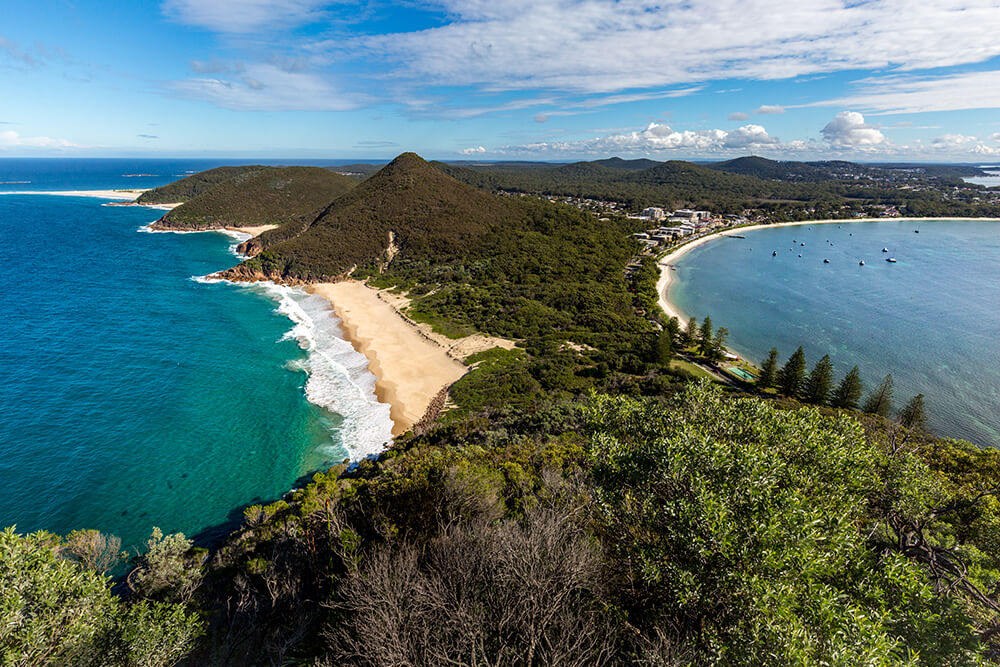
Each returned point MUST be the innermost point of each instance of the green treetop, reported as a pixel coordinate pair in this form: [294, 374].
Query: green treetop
[912, 415]
[793, 374]
[769, 370]
[879, 402]
[849, 392]
[705, 338]
[820, 381]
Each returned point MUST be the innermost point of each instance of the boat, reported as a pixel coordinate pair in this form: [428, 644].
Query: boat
[916, 231]
[861, 263]
[826, 261]
[885, 250]
[802, 244]
[891, 259]
[800, 255]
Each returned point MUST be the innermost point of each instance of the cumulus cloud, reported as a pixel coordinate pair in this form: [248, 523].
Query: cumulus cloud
[849, 130]
[658, 138]
[472, 151]
[267, 87]
[767, 109]
[243, 16]
[952, 141]
[738, 115]
[11, 139]
[983, 149]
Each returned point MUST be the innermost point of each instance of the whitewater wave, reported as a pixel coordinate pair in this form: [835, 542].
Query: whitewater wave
[338, 375]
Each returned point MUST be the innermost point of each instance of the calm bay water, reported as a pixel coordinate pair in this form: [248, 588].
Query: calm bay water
[132, 395]
[932, 319]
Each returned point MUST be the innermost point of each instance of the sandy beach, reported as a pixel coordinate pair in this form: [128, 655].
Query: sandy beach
[411, 370]
[665, 264]
[126, 195]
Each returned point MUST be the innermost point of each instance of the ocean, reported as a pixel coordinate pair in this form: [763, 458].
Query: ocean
[931, 319]
[133, 393]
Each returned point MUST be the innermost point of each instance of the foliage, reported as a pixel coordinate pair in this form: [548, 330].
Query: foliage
[744, 524]
[879, 401]
[820, 381]
[849, 391]
[913, 415]
[55, 612]
[268, 195]
[168, 570]
[190, 187]
[792, 375]
[769, 370]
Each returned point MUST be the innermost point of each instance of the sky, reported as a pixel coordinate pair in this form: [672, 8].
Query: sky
[865, 80]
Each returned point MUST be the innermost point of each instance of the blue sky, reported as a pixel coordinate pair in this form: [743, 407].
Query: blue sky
[878, 80]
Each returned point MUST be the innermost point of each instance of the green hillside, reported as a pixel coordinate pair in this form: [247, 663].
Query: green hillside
[270, 195]
[424, 209]
[190, 187]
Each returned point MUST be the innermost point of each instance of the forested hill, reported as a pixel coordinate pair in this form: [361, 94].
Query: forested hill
[672, 184]
[428, 214]
[266, 195]
[836, 169]
[191, 186]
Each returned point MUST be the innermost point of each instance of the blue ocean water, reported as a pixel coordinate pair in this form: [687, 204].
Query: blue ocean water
[133, 395]
[932, 319]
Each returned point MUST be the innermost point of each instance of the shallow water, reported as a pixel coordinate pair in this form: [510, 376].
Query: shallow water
[932, 319]
[133, 396]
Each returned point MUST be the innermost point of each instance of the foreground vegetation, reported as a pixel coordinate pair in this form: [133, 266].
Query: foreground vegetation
[584, 502]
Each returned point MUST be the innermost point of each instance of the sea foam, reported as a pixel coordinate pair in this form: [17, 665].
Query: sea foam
[338, 375]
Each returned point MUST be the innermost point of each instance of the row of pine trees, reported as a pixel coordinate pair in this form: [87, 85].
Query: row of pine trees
[793, 380]
[817, 387]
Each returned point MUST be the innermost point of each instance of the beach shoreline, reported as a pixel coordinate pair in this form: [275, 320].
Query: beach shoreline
[666, 262]
[411, 370]
[123, 197]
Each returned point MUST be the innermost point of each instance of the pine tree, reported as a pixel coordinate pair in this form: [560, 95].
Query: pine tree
[793, 374]
[769, 370]
[690, 334]
[673, 328]
[879, 402]
[912, 415]
[705, 338]
[665, 348]
[820, 381]
[849, 392]
[718, 351]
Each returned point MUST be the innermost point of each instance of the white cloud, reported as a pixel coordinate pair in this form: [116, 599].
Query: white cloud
[472, 151]
[11, 139]
[952, 141]
[496, 45]
[908, 94]
[849, 130]
[658, 138]
[766, 109]
[983, 149]
[267, 87]
[738, 115]
[243, 16]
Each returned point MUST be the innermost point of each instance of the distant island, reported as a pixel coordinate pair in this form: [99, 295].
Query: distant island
[562, 487]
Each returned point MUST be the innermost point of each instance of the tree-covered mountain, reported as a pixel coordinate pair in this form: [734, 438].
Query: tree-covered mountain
[191, 186]
[264, 196]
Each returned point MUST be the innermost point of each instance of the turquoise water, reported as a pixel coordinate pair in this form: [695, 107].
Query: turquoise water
[932, 319]
[132, 395]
